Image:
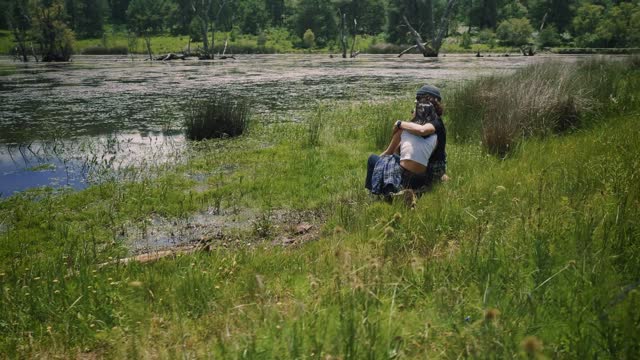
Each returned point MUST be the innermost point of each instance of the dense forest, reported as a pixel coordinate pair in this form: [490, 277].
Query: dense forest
[55, 24]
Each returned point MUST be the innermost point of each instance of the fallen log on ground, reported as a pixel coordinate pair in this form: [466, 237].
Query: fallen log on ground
[160, 254]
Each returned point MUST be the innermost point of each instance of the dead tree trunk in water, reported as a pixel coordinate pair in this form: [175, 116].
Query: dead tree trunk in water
[355, 34]
[420, 44]
[202, 10]
[343, 35]
[436, 41]
[147, 41]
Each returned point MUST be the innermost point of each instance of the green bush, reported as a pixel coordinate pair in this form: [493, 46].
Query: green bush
[465, 41]
[53, 37]
[514, 31]
[262, 39]
[486, 36]
[220, 116]
[549, 36]
[308, 39]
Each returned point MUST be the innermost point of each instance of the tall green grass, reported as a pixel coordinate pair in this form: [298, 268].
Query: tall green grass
[532, 256]
[539, 100]
[216, 117]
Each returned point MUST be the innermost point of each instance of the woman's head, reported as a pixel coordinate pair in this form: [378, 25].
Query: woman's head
[430, 94]
[429, 90]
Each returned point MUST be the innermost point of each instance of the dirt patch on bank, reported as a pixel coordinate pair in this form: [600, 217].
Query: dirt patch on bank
[158, 237]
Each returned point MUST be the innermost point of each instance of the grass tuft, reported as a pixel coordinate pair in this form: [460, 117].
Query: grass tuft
[217, 117]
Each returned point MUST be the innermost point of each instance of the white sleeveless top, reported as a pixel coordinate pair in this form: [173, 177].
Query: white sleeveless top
[417, 148]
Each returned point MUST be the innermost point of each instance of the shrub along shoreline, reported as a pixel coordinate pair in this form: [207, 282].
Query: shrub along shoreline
[533, 255]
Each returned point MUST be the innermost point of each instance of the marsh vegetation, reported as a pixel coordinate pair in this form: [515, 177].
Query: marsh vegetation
[531, 255]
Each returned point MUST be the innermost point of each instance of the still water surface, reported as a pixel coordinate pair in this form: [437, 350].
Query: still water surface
[56, 120]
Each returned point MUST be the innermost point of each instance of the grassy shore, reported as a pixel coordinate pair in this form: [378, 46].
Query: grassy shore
[536, 255]
[276, 41]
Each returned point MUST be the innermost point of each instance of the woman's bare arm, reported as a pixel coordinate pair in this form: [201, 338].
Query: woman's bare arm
[394, 144]
[417, 129]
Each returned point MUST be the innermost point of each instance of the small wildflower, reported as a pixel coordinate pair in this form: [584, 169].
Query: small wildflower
[27, 294]
[278, 327]
[92, 325]
[531, 345]
[491, 314]
[216, 287]
[467, 318]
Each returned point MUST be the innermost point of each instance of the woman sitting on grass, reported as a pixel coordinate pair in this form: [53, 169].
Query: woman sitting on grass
[421, 145]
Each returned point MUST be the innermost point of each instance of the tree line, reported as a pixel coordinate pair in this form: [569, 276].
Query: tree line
[49, 27]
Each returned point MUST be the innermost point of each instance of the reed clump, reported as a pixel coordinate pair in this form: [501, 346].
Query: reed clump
[538, 100]
[217, 117]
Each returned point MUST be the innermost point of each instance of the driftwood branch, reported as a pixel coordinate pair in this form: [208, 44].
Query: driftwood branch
[170, 56]
[409, 49]
[416, 36]
[203, 246]
[425, 45]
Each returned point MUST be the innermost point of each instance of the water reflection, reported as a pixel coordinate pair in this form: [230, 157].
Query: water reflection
[79, 162]
[93, 97]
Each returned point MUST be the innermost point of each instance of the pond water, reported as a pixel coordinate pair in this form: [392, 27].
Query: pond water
[57, 121]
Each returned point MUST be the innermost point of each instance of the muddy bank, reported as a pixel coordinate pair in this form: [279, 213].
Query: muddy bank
[212, 228]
